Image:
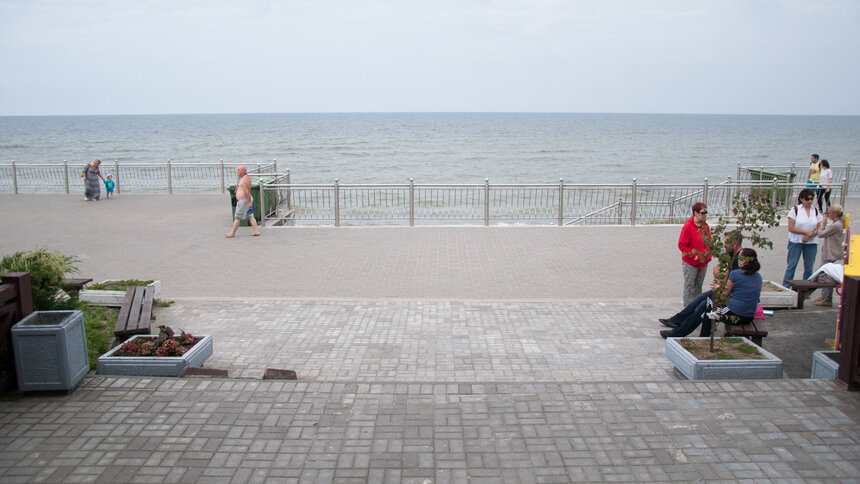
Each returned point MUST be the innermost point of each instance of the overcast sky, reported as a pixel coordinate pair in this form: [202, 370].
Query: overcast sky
[218, 56]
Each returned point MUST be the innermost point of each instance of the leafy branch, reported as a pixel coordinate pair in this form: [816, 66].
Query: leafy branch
[752, 215]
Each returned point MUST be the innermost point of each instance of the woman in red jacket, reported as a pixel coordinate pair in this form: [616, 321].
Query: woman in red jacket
[694, 265]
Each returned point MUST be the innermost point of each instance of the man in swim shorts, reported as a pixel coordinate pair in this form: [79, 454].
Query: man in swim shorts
[244, 202]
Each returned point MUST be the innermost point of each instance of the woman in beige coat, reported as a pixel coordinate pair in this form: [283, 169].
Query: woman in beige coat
[831, 237]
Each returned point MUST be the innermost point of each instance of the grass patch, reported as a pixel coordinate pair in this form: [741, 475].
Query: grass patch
[98, 324]
[161, 304]
[119, 285]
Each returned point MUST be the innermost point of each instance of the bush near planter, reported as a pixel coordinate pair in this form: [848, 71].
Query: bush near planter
[47, 270]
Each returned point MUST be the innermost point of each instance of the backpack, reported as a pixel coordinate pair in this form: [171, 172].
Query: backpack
[795, 210]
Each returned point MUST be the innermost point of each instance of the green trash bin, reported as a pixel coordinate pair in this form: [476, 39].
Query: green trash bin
[779, 176]
[255, 193]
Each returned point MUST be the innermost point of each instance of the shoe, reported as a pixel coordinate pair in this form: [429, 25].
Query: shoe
[819, 299]
[666, 333]
[822, 302]
[668, 322]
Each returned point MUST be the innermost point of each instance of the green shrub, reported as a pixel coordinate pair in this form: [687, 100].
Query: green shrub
[98, 324]
[47, 270]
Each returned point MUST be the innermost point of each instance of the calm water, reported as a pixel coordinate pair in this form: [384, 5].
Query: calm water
[445, 147]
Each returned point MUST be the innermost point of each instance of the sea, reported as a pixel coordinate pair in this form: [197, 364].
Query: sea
[445, 147]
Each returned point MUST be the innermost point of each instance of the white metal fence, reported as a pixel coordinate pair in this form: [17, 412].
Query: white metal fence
[166, 177]
[410, 203]
[558, 204]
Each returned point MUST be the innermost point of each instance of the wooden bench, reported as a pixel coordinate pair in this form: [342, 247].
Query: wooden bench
[135, 313]
[804, 287]
[71, 284]
[755, 331]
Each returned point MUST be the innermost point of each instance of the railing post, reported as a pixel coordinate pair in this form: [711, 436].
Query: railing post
[274, 166]
[336, 203]
[222, 176]
[672, 208]
[847, 174]
[66, 175]
[729, 196]
[14, 178]
[620, 209]
[169, 178]
[560, 202]
[411, 202]
[705, 192]
[262, 203]
[844, 192]
[116, 174]
[773, 198]
[633, 204]
[739, 170]
[486, 202]
[289, 191]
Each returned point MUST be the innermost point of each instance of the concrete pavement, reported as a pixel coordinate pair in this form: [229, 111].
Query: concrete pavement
[429, 354]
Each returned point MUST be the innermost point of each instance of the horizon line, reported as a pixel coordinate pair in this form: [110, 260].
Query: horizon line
[415, 112]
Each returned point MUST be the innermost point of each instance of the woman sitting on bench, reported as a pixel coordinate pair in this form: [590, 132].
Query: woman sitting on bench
[744, 290]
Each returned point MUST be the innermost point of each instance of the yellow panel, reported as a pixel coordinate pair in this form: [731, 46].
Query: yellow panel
[853, 266]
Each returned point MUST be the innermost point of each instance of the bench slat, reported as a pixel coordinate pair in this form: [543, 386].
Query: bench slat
[122, 318]
[146, 310]
[134, 313]
[756, 330]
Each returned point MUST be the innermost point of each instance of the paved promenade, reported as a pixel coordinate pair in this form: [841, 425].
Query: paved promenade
[428, 354]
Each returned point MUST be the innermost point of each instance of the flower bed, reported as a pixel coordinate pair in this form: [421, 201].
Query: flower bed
[773, 295]
[156, 355]
[110, 297]
[764, 365]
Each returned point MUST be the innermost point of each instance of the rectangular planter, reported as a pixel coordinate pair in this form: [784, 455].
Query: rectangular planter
[50, 350]
[782, 298]
[99, 297]
[154, 365]
[695, 369]
[825, 364]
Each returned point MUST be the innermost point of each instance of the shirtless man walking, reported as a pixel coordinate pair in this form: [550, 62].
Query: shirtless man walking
[244, 202]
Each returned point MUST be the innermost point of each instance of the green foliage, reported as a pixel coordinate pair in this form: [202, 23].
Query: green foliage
[119, 285]
[98, 324]
[752, 214]
[161, 304]
[47, 270]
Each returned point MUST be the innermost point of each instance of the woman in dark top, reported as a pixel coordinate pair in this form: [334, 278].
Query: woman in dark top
[744, 290]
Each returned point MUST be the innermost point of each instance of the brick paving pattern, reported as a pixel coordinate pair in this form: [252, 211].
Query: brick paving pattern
[426, 355]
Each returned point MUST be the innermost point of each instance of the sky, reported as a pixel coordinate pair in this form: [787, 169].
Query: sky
[60, 57]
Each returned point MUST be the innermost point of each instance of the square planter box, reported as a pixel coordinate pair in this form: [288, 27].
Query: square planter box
[50, 350]
[100, 297]
[781, 298]
[694, 369]
[825, 364]
[154, 365]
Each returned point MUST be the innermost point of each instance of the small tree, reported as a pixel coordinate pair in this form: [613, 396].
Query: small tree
[752, 214]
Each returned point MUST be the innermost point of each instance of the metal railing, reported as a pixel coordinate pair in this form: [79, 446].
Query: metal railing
[169, 177]
[558, 204]
[798, 174]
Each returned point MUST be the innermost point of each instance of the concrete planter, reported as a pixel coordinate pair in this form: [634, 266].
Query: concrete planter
[825, 364]
[99, 297]
[50, 350]
[154, 365]
[694, 369]
[781, 298]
